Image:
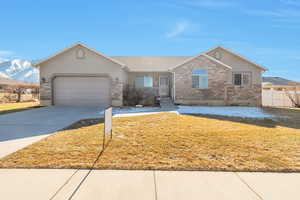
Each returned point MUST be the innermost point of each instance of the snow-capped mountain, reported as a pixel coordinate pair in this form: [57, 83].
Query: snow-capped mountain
[18, 69]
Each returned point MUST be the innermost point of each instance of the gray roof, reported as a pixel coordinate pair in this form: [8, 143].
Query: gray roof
[150, 63]
[279, 81]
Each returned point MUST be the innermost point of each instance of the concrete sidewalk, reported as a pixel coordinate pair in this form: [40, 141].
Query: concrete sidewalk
[153, 185]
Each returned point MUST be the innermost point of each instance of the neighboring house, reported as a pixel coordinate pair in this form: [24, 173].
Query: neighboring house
[80, 75]
[13, 90]
[278, 81]
[277, 91]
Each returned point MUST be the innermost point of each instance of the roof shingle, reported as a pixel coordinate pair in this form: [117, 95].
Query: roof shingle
[150, 63]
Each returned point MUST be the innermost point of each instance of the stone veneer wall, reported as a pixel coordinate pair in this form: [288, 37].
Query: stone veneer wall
[217, 78]
[116, 93]
[244, 96]
[219, 91]
[46, 93]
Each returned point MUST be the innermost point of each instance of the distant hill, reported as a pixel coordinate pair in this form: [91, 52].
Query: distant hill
[19, 70]
[278, 81]
[7, 81]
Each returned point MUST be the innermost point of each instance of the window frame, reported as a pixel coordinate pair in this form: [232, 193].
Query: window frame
[200, 76]
[144, 80]
[243, 74]
[235, 81]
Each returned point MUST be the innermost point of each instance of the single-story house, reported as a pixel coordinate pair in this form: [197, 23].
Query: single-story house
[80, 75]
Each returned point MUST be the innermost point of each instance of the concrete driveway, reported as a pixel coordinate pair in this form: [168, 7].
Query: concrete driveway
[20, 129]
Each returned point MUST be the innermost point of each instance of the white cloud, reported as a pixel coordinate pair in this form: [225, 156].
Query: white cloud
[280, 13]
[6, 53]
[211, 3]
[291, 2]
[179, 28]
[264, 13]
[3, 60]
[284, 18]
[207, 4]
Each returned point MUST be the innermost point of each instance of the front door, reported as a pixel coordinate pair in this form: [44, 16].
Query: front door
[164, 86]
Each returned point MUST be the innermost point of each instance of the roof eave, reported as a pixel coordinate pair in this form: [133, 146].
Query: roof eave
[243, 58]
[202, 54]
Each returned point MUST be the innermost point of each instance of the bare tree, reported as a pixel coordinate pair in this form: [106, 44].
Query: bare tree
[294, 95]
[132, 96]
[21, 88]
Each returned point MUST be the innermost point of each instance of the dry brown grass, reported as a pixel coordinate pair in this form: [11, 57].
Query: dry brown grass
[168, 142]
[14, 107]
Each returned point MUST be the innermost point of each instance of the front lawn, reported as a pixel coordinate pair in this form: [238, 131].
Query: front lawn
[14, 107]
[168, 141]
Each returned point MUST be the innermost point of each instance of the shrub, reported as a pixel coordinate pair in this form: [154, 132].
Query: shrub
[132, 96]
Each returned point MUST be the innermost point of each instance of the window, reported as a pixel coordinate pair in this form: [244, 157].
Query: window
[144, 81]
[242, 79]
[237, 79]
[200, 78]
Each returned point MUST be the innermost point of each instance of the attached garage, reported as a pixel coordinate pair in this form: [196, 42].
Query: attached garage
[81, 90]
[80, 75]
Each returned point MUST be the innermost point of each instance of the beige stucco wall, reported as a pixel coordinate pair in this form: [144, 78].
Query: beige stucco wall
[92, 63]
[239, 65]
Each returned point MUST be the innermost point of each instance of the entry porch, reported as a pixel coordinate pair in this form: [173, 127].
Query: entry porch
[150, 86]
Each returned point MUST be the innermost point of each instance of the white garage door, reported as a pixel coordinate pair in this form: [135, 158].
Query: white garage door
[81, 91]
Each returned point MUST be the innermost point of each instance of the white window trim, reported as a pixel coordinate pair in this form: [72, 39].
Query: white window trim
[200, 75]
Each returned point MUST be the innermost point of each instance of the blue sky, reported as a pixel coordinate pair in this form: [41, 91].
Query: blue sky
[268, 31]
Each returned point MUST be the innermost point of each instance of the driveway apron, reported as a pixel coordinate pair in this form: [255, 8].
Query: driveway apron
[20, 129]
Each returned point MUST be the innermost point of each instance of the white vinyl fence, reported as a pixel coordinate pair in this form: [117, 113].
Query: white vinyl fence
[271, 97]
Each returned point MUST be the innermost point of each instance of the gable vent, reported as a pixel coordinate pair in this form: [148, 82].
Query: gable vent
[80, 54]
[217, 55]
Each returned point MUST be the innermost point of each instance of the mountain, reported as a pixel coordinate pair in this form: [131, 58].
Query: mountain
[7, 81]
[18, 69]
[2, 75]
[279, 81]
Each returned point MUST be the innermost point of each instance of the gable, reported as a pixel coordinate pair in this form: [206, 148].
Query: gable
[209, 58]
[232, 59]
[238, 64]
[70, 62]
[77, 45]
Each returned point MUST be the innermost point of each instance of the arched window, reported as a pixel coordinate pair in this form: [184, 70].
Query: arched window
[200, 78]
